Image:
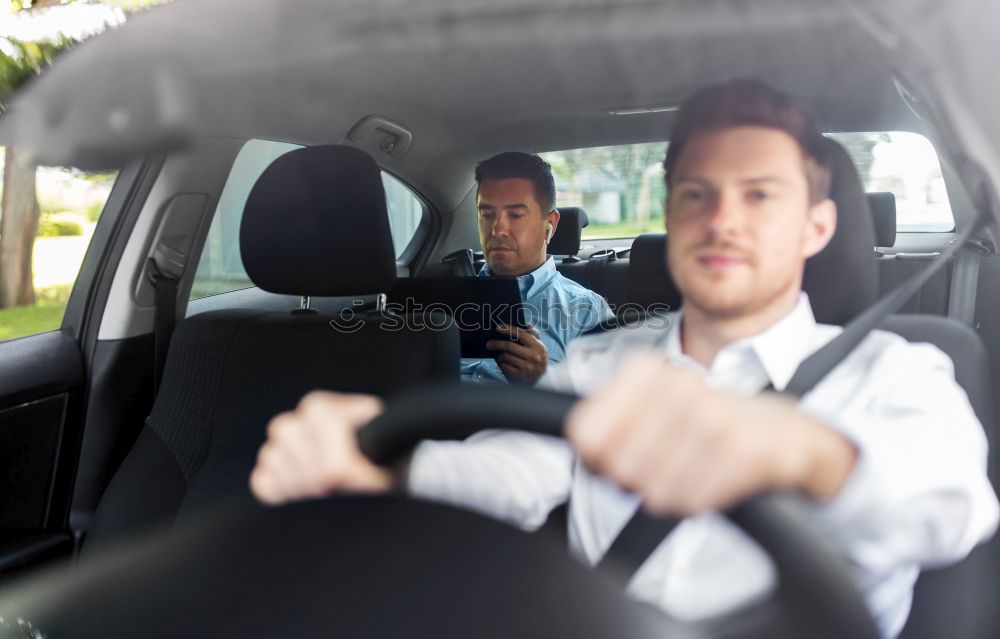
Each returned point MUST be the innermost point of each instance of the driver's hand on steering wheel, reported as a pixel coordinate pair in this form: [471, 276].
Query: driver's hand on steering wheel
[313, 451]
[661, 432]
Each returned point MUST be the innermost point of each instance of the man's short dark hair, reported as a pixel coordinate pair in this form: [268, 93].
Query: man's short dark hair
[748, 102]
[527, 166]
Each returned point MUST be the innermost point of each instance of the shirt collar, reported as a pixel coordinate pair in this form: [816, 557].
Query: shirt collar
[779, 349]
[532, 282]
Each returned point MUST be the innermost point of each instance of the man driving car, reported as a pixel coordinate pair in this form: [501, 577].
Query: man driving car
[886, 448]
[515, 201]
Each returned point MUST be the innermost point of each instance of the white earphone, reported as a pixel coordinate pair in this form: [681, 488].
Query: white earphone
[548, 233]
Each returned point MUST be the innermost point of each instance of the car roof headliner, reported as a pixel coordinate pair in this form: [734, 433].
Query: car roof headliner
[467, 79]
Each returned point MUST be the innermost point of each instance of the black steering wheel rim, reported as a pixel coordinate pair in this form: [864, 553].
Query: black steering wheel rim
[813, 578]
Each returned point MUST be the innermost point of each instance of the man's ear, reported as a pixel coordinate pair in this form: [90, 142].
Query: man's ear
[820, 227]
[552, 217]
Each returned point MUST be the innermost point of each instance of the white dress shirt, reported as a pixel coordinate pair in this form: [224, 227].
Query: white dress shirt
[918, 495]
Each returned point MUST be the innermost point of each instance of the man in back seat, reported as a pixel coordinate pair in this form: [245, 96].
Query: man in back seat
[517, 218]
[886, 448]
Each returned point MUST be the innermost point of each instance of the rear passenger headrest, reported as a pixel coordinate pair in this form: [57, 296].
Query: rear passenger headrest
[315, 224]
[649, 282]
[566, 239]
[842, 279]
[883, 206]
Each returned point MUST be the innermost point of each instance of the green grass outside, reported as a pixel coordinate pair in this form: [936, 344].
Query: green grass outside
[45, 315]
[622, 229]
[206, 287]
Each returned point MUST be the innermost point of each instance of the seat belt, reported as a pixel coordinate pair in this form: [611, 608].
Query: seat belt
[636, 542]
[461, 263]
[642, 535]
[965, 283]
[596, 265]
[163, 271]
[633, 546]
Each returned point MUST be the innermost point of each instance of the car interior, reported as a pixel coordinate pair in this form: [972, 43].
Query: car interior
[260, 180]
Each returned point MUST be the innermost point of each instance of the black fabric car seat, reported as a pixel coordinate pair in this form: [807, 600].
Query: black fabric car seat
[958, 600]
[315, 224]
[604, 271]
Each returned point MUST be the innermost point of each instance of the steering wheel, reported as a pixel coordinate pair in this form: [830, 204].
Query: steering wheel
[367, 567]
[816, 591]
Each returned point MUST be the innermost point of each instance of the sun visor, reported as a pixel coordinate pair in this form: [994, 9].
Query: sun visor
[100, 115]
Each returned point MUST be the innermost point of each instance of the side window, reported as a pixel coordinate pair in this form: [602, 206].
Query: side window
[906, 164]
[405, 212]
[220, 269]
[620, 187]
[47, 217]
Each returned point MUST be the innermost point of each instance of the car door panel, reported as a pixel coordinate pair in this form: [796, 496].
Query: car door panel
[44, 384]
[41, 381]
[38, 366]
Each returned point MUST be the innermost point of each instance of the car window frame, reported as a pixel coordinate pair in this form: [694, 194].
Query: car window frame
[422, 234]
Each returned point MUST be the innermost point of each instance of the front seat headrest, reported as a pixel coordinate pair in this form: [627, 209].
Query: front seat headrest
[566, 239]
[315, 224]
[842, 279]
[883, 206]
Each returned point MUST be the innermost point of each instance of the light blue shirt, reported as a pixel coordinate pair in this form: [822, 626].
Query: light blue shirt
[560, 310]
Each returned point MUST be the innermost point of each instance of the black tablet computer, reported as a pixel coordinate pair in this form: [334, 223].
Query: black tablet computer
[474, 304]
